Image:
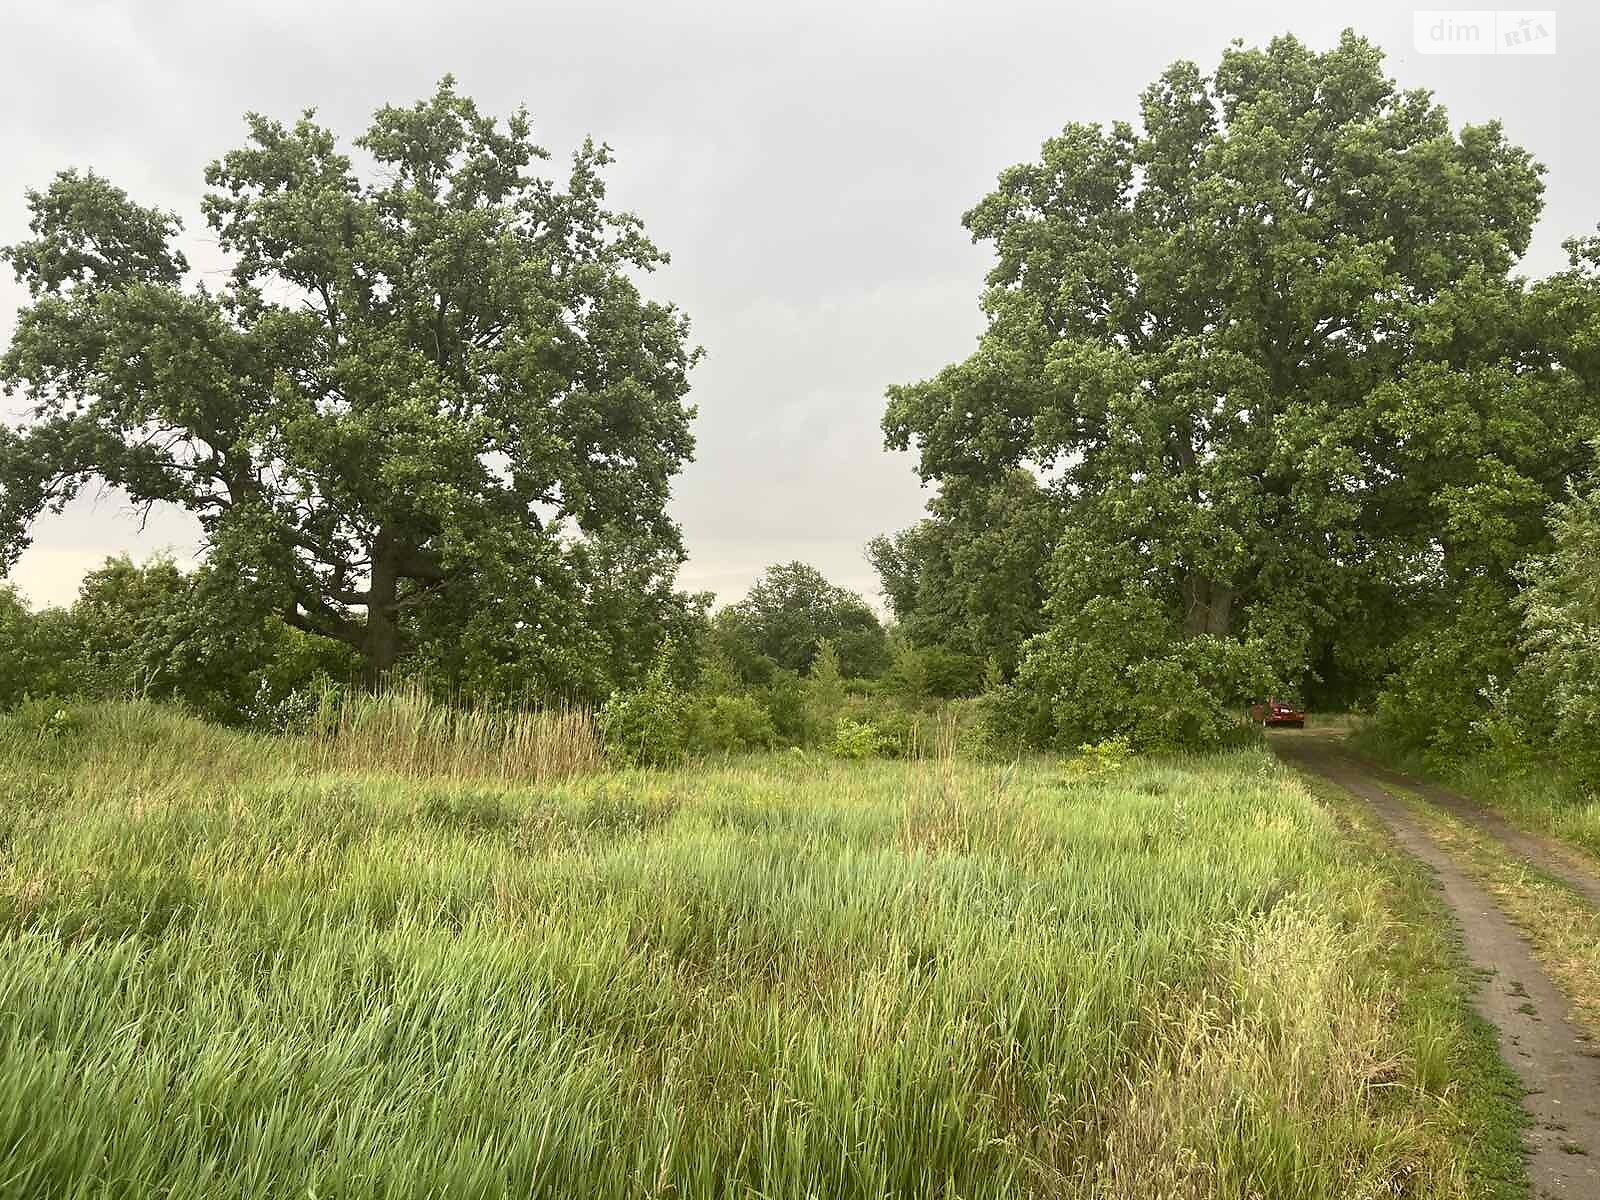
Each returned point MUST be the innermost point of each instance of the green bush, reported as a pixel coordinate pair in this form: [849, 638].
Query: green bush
[1561, 631]
[1095, 760]
[648, 726]
[952, 674]
[309, 707]
[978, 732]
[857, 740]
[825, 687]
[907, 677]
[1135, 682]
[785, 700]
[730, 725]
[1438, 702]
[901, 734]
[44, 718]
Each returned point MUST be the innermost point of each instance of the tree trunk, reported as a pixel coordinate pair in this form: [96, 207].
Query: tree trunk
[380, 644]
[380, 648]
[1207, 606]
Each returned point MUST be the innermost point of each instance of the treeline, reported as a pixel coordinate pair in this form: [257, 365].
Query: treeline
[1261, 408]
[799, 662]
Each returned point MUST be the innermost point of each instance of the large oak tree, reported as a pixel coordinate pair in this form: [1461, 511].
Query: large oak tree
[1265, 349]
[430, 371]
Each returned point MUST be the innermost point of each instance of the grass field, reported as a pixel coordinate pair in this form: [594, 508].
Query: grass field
[239, 966]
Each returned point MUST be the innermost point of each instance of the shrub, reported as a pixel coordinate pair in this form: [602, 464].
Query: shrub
[648, 725]
[1561, 629]
[901, 734]
[825, 688]
[1155, 691]
[46, 718]
[730, 725]
[785, 702]
[1438, 701]
[1097, 759]
[952, 674]
[310, 708]
[857, 740]
[922, 673]
[907, 676]
[977, 730]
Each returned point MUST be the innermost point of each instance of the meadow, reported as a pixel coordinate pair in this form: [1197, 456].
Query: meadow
[239, 965]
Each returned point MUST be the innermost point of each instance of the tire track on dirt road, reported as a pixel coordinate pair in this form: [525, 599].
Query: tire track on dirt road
[1543, 853]
[1553, 1057]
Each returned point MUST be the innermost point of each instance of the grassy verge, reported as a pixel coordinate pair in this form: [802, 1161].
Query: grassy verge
[1455, 1048]
[228, 968]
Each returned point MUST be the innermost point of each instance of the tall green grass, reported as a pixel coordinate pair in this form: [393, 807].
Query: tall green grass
[403, 732]
[230, 967]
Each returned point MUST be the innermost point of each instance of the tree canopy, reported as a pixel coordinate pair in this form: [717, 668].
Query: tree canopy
[970, 577]
[428, 385]
[785, 617]
[1265, 352]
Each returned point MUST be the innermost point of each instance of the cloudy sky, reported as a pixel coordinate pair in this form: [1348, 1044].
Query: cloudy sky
[806, 164]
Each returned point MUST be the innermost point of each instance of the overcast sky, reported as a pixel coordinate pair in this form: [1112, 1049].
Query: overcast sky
[806, 164]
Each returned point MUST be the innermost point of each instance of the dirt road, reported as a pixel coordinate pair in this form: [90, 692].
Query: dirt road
[1555, 1059]
[1546, 854]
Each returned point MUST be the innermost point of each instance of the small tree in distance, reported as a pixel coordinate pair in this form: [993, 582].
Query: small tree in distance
[787, 616]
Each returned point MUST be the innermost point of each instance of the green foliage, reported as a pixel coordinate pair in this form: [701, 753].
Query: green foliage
[1094, 760]
[907, 677]
[1270, 412]
[417, 412]
[857, 740]
[900, 732]
[153, 630]
[575, 640]
[658, 723]
[730, 725]
[785, 697]
[307, 707]
[952, 673]
[920, 674]
[825, 688]
[34, 648]
[649, 725]
[1561, 629]
[44, 719]
[1116, 666]
[789, 612]
[968, 580]
[1439, 698]
[16, 646]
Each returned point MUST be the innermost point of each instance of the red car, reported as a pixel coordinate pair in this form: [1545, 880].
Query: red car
[1270, 712]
